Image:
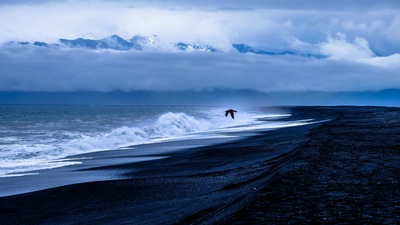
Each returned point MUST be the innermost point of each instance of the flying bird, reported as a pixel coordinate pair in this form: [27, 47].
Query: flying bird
[230, 111]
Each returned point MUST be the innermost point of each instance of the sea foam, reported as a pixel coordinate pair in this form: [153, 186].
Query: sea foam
[44, 149]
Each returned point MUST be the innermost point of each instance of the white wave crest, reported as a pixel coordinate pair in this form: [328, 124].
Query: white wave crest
[167, 125]
[43, 151]
[116, 138]
[31, 156]
[174, 124]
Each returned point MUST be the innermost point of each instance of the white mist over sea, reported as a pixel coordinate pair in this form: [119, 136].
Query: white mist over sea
[34, 137]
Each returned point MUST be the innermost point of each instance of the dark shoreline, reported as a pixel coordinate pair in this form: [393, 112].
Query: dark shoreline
[340, 171]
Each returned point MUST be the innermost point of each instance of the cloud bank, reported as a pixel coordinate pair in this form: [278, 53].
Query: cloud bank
[360, 42]
[43, 69]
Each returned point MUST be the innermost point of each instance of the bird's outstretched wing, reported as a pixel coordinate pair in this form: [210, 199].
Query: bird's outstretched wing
[230, 111]
[233, 116]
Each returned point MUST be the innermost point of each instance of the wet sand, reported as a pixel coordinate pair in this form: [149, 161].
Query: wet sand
[344, 170]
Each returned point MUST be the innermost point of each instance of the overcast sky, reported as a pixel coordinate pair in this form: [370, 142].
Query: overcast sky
[360, 40]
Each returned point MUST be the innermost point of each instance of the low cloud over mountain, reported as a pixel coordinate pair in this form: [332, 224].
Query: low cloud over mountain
[149, 43]
[261, 46]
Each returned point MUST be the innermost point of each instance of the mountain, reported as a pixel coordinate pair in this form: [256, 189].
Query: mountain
[195, 47]
[36, 43]
[138, 43]
[243, 48]
[153, 43]
[145, 42]
[112, 42]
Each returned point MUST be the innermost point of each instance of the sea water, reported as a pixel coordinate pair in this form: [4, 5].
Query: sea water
[34, 137]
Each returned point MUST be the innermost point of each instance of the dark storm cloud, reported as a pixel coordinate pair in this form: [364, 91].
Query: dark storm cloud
[41, 69]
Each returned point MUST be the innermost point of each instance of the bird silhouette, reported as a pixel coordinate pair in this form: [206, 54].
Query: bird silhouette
[230, 111]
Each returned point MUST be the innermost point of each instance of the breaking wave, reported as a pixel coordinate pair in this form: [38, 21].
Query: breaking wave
[167, 125]
[46, 148]
[42, 150]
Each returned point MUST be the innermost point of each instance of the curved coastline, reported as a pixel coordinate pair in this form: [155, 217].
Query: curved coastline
[288, 175]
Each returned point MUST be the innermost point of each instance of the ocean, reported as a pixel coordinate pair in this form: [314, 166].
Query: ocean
[37, 137]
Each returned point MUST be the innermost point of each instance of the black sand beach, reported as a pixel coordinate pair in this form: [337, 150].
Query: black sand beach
[342, 170]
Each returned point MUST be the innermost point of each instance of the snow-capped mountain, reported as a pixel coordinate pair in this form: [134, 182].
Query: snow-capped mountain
[195, 47]
[112, 42]
[138, 43]
[151, 43]
[145, 42]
